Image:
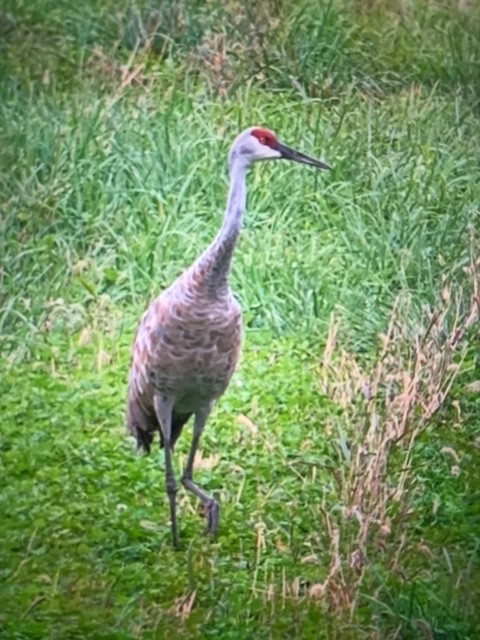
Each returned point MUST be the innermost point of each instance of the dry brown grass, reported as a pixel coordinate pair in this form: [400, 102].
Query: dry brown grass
[386, 406]
[233, 57]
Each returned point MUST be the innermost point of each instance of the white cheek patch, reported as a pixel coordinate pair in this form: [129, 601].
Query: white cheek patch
[264, 152]
[270, 153]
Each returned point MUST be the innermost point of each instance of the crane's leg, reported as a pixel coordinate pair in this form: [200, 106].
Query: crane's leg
[211, 506]
[163, 409]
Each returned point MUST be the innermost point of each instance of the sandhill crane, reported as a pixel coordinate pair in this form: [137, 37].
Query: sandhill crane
[188, 341]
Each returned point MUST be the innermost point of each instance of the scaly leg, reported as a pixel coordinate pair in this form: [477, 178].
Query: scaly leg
[163, 409]
[211, 506]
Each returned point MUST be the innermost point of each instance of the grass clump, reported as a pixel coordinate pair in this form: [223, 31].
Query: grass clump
[387, 409]
[344, 453]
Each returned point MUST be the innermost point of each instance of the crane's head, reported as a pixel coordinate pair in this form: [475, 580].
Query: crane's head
[256, 143]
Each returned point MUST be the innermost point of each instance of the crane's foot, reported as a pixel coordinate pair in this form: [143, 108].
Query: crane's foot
[212, 511]
[209, 504]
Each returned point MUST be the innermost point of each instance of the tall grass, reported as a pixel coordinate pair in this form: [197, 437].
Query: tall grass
[117, 199]
[116, 121]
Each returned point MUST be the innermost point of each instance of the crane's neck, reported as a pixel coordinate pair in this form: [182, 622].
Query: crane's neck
[213, 266]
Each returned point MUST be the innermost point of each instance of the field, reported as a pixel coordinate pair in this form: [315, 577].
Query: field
[345, 452]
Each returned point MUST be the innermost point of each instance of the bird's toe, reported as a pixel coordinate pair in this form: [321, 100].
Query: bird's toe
[212, 511]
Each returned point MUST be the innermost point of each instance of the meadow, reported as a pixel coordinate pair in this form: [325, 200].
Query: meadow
[345, 452]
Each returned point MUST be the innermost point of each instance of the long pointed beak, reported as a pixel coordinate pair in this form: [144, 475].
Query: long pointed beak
[296, 156]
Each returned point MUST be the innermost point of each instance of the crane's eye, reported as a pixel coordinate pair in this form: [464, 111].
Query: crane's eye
[262, 140]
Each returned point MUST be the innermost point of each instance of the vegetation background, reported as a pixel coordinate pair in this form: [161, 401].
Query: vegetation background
[345, 453]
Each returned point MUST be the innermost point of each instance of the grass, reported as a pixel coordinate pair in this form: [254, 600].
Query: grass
[116, 121]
